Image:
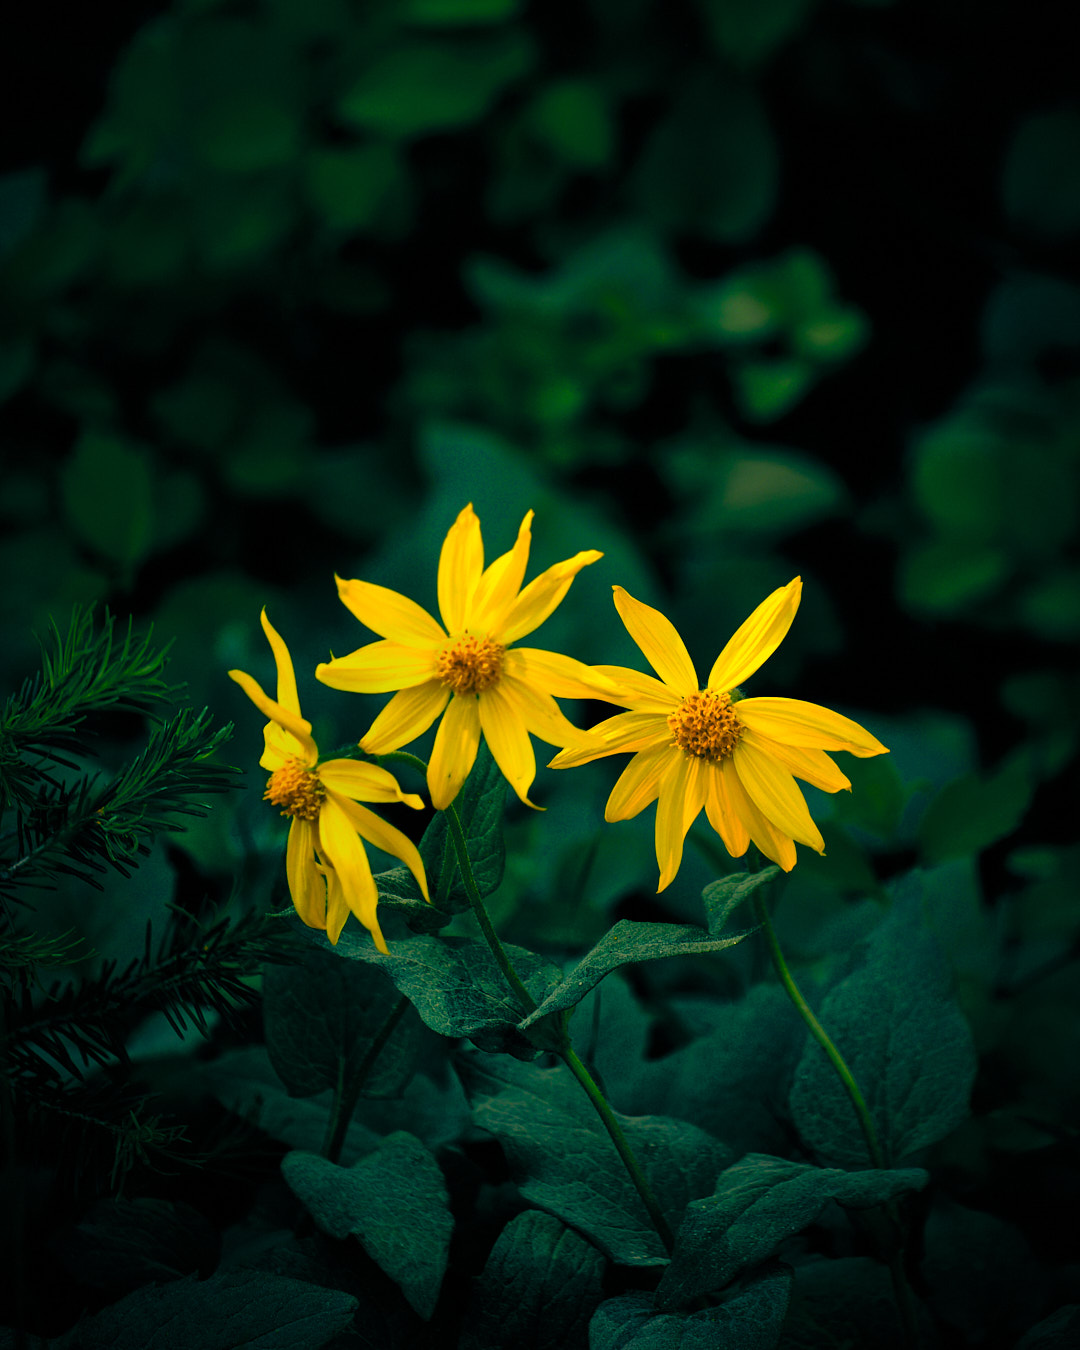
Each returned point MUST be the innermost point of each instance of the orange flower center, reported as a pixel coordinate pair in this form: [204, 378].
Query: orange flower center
[296, 790]
[470, 664]
[705, 725]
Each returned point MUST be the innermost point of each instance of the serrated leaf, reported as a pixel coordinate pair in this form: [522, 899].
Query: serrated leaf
[628, 943]
[750, 1321]
[322, 1018]
[394, 1201]
[538, 1289]
[480, 806]
[724, 896]
[757, 1205]
[896, 1022]
[563, 1159]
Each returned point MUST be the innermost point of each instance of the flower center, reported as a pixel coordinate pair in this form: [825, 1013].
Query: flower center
[704, 724]
[470, 664]
[296, 790]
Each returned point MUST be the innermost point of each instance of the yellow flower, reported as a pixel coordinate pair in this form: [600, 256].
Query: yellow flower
[736, 757]
[467, 669]
[328, 870]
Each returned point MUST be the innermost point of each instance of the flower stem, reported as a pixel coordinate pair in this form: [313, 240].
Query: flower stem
[347, 1094]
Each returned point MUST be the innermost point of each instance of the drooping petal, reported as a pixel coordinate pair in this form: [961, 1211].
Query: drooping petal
[291, 722]
[365, 782]
[772, 841]
[391, 840]
[286, 677]
[389, 614]
[642, 693]
[776, 794]
[756, 640]
[461, 563]
[541, 596]
[807, 726]
[378, 668]
[638, 786]
[501, 582]
[541, 714]
[659, 641]
[406, 716]
[560, 675]
[508, 740]
[722, 815]
[675, 813]
[345, 853]
[454, 751]
[813, 766]
[306, 886]
[337, 908]
[279, 746]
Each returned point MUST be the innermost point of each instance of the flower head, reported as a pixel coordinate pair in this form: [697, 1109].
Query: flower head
[328, 870]
[465, 668]
[709, 747]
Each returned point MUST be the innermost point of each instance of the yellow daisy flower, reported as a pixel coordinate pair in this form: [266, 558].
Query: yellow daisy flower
[328, 870]
[465, 668]
[736, 757]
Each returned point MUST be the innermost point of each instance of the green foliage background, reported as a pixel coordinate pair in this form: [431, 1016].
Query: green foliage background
[732, 291]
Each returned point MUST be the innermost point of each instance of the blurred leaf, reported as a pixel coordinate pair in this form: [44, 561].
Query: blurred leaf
[766, 390]
[1028, 315]
[57, 252]
[199, 410]
[460, 11]
[573, 119]
[236, 222]
[394, 1201]
[147, 241]
[179, 507]
[351, 188]
[877, 797]
[1039, 187]
[844, 1301]
[268, 458]
[969, 814]
[948, 574]
[957, 480]
[1051, 607]
[749, 33]
[834, 334]
[17, 359]
[750, 1320]
[538, 1288]
[123, 1243]
[22, 200]
[107, 495]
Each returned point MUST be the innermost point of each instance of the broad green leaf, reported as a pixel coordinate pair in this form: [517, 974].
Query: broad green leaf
[957, 477]
[249, 1308]
[751, 1320]
[877, 797]
[758, 1204]
[1039, 186]
[456, 986]
[394, 1201]
[107, 495]
[845, 1301]
[723, 897]
[896, 1022]
[323, 1019]
[351, 187]
[563, 1159]
[1051, 607]
[573, 119]
[749, 34]
[945, 575]
[969, 814]
[122, 1243]
[626, 944]
[479, 805]
[538, 1289]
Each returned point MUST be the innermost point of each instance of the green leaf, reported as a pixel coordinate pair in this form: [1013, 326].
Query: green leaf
[123, 1243]
[249, 1308]
[23, 196]
[107, 495]
[480, 805]
[351, 187]
[538, 1288]
[1059, 1331]
[723, 897]
[563, 1159]
[947, 574]
[394, 1201]
[758, 1204]
[573, 119]
[844, 1302]
[749, 34]
[896, 1022]
[769, 388]
[751, 1320]
[18, 356]
[456, 986]
[321, 1020]
[448, 12]
[1039, 186]
[628, 943]
[969, 814]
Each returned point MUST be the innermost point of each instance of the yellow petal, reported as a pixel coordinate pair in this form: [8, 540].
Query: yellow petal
[616, 735]
[722, 815]
[638, 786]
[560, 675]
[389, 614]
[306, 886]
[541, 715]
[279, 746]
[772, 842]
[682, 795]
[501, 582]
[406, 716]
[757, 639]
[776, 795]
[337, 909]
[286, 677]
[660, 644]
[542, 595]
[391, 840]
[640, 692]
[291, 722]
[345, 853]
[807, 726]
[508, 740]
[461, 564]
[454, 751]
[378, 668]
[813, 766]
[365, 782]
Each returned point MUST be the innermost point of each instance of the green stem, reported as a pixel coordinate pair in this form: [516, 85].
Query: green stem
[347, 1094]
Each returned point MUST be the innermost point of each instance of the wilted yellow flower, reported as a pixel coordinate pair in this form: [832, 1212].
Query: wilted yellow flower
[467, 669]
[328, 869]
[736, 757]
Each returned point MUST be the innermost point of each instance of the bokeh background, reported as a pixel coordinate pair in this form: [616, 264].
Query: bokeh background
[730, 289]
